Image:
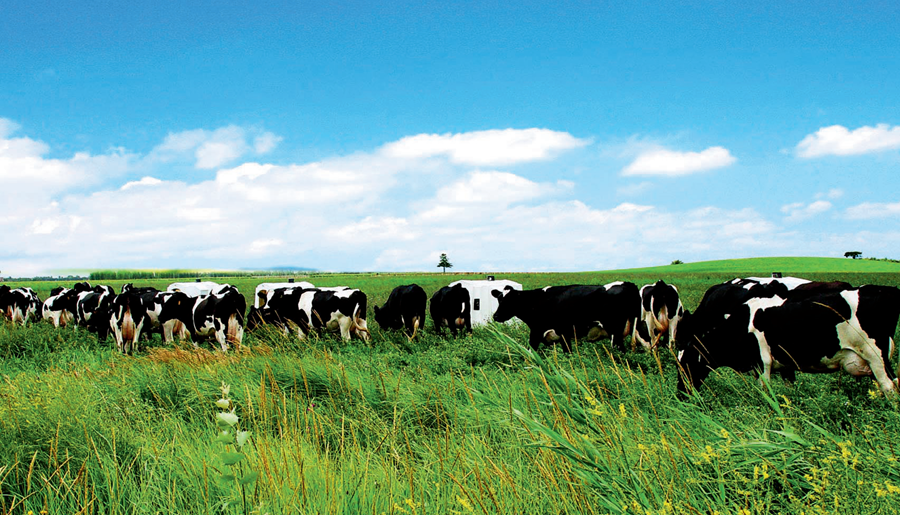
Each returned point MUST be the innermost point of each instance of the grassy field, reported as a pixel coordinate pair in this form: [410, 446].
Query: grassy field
[470, 425]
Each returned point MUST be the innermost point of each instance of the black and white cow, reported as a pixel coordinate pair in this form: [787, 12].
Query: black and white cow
[92, 308]
[58, 317]
[305, 310]
[566, 313]
[404, 309]
[661, 310]
[822, 327]
[19, 305]
[451, 307]
[128, 317]
[219, 316]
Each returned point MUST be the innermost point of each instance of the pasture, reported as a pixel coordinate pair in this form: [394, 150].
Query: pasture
[476, 424]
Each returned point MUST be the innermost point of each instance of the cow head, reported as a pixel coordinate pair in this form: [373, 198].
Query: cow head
[509, 303]
[258, 317]
[387, 318]
[695, 368]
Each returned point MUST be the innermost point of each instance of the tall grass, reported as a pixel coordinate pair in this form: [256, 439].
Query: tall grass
[476, 424]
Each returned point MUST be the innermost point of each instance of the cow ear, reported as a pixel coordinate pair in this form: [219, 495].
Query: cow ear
[376, 310]
[496, 293]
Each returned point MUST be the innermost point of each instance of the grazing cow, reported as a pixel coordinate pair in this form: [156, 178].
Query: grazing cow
[566, 313]
[94, 302]
[219, 316]
[128, 316]
[404, 309]
[822, 327]
[623, 308]
[19, 305]
[304, 310]
[145, 305]
[450, 306]
[661, 310]
[57, 316]
[265, 291]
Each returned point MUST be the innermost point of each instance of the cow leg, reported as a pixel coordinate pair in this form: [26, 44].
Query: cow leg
[345, 323]
[167, 330]
[765, 356]
[672, 326]
[853, 338]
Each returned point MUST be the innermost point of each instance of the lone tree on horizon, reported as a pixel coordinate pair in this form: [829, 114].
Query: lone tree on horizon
[444, 263]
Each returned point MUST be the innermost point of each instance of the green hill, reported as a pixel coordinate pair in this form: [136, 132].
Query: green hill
[786, 265]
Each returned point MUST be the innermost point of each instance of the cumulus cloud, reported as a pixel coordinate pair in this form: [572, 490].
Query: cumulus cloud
[145, 181]
[8, 127]
[36, 179]
[799, 211]
[212, 149]
[363, 211]
[481, 193]
[837, 140]
[872, 210]
[262, 246]
[486, 148]
[673, 163]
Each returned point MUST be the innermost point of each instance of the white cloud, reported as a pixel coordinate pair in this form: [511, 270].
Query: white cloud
[44, 226]
[673, 163]
[837, 140]
[486, 148]
[363, 211]
[145, 181]
[36, 179]
[800, 211]
[8, 127]
[872, 210]
[263, 246]
[212, 149]
[266, 142]
[480, 194]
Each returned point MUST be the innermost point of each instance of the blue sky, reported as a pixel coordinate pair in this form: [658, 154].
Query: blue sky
[513, 136]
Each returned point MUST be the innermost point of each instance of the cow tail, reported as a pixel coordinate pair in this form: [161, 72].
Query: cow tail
[127, 326]
[415, 324]
[232, 330]
[659, 325]
[356, 326]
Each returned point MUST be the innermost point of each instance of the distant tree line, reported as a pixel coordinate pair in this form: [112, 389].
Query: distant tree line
[890, 260]
[73, 278]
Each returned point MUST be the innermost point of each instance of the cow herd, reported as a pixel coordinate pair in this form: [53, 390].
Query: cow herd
[765, 325]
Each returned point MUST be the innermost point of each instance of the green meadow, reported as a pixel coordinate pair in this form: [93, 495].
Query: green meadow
[476, 424]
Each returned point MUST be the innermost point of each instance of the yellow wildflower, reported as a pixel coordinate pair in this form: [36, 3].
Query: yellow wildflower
[465, 503]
